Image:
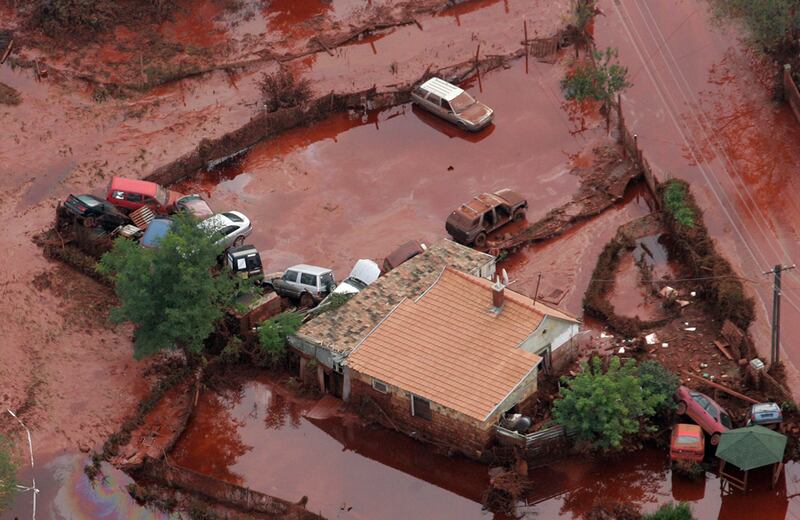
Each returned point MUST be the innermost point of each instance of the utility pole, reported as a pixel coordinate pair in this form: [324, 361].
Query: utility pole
[776, 311]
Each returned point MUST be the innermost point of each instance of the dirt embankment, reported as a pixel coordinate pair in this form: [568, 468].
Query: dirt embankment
[603, 183]
[185, 39]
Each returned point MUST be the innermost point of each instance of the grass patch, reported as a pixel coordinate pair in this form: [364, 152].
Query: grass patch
[675, 202]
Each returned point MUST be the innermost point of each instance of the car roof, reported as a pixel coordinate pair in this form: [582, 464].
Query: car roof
[156, 230]
[134, 185]
[310, 269]
[87, 198]
[688, 429]
[441, 88]
[246, 249]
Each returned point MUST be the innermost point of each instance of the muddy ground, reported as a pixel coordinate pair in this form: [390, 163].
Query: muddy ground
[64, 367]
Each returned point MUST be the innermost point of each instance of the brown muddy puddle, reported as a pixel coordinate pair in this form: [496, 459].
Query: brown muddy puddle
[260, 438]
[631, 296]
[566, 263]
[207, 23]
[439, 34]
[357, 186]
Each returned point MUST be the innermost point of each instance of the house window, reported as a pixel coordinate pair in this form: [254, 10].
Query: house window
[420, 407]
[380, 386]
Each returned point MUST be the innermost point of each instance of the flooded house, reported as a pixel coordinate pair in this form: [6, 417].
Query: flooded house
[442, 349]
[329, 338]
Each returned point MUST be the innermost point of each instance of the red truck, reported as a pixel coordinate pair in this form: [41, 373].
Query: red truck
[131, 194]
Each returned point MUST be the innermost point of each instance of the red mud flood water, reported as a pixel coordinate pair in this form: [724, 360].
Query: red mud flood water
[566, 263]
[630, 296]
[259, 438]
[356, 187]
[571, 488]
[701, 106]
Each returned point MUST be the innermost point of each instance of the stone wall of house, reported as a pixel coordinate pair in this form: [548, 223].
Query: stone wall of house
[446, 426]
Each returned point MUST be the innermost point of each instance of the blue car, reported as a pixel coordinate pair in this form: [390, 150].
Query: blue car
[157, 230]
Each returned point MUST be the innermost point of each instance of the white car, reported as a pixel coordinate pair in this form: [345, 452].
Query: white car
[453, 104]
[229, 228]
[363, 273]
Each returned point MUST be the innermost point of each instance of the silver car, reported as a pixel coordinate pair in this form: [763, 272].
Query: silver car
[453, 104]
[229, 228]
[307, 283]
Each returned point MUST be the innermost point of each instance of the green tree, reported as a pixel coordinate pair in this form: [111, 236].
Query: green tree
[657, 380]
[599, 79]
[8, 473]
[272, 337]
[675, 198]
[772, 25]
[671, 511]
[603, 406]
[171, 292]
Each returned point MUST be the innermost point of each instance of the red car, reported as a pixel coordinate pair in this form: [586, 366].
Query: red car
[132, 194]
[704, 411]
[688, 443]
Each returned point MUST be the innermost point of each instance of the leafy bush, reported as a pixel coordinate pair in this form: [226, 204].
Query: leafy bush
[272, 337]
[8, 473]
[675, 200]
[659, 381]
[722, 289]
[603, 406]
[599, 79]
[283, 90]
[770, 23]
[170, 292]
[671, 511]
[85, 17]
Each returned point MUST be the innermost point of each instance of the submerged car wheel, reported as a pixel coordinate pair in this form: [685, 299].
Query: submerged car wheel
[239, 241]
[681, 408]
[89, 222]
[480, 240]
[306, 300]
[519, 215]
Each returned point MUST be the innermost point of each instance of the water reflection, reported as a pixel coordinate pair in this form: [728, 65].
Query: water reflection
[346, 469]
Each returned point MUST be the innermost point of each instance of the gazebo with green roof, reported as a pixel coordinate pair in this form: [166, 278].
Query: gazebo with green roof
[749, 448]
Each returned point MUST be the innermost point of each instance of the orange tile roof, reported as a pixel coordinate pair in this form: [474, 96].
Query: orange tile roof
[448, 346]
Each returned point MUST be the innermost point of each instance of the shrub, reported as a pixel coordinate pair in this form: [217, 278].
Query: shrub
[603, 406]
[671, 511]
[659, 381]
[599, 79]
[770, 24]
[675, 201]
[86, 17]
[8, 473]
[170, 292]
[272, 338]
[722, 289]
[282, 90]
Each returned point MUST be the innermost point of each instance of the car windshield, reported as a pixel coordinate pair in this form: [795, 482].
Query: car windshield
[88, 200]
[686, 439]
[725, 420]
[462, 221]
[327, 281]
[461, 102]
[234, 217]
[162, 196]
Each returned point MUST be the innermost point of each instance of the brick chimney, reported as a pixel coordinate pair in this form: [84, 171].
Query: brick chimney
[498, 294]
